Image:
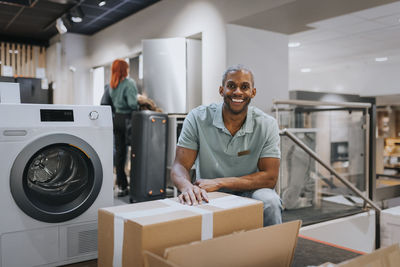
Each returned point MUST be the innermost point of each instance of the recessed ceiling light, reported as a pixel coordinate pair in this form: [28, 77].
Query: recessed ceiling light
[305, 70]
[294, 44]
[76, 15]
[381, 59]
[61, 28]
[76, 19]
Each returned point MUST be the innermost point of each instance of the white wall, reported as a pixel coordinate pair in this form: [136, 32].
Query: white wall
[372, 79]
[178, 18]
[169, 18]
[163, 20]
[68, 66]
[98, 85]
[266, 54]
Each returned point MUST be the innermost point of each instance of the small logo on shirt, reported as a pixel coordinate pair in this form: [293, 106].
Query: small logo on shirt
[242, 153]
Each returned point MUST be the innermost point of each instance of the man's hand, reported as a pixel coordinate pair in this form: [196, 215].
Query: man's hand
[210, 185]
[193, 195]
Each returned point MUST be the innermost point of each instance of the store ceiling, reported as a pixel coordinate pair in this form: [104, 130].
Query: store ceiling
[334, 34]
[34, 21]
[354, 39]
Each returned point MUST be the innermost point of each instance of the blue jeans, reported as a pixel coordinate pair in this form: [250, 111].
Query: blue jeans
[272, 204]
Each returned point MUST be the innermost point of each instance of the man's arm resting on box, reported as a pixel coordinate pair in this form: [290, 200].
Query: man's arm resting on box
[190, 194]
[266, 177]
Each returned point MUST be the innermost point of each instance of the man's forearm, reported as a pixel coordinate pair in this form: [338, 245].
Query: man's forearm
[180, 177]
[261, 179]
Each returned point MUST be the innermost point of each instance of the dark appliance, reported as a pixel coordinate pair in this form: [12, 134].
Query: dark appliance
[31, 90]
[6, 79]
[149, 155]
[339, 151]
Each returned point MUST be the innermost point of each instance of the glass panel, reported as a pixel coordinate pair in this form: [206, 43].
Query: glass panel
[297, 167]
[308, 190]
[58, 174]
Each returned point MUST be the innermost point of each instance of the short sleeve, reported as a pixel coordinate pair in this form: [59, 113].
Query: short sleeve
[271, 147]
[189, 137]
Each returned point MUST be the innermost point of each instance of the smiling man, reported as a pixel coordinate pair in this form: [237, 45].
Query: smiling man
[235, 147]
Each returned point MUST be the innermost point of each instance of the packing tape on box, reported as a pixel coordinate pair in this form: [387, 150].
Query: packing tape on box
[206, 225]
[120, 218]
[206, 217]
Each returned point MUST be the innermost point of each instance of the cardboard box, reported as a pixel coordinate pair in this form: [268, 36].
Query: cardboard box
[125, 231]
[269, 246]
[390, 226]
[384, 257]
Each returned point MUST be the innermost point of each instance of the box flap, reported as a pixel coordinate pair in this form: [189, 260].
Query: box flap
[384, 257]
[151, 259]
[268, 246]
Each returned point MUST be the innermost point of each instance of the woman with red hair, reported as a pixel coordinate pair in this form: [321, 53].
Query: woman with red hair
[123, 94]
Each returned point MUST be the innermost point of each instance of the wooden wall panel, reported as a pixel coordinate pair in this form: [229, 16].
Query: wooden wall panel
[42, 57]
[8, 63]
[12, 54]
[23, 59]
[29, 61]
[34, 60]
[2, 57]
[18, 59]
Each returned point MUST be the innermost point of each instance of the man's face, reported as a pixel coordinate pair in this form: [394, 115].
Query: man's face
[237, 91]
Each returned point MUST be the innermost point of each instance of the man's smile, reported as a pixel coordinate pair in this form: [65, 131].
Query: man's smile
[237, 100]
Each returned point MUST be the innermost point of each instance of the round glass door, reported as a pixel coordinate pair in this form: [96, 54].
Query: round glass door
[58, 175]
[57, 182]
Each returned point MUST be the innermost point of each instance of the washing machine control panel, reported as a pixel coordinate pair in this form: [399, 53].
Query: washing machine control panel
[56, 115]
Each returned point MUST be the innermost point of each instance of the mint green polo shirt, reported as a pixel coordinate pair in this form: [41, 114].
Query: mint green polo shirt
[219, 154]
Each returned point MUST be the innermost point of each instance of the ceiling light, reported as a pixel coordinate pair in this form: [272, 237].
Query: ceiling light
[101, 2]
[381, 59]
[60, 26]
[76, 19]
[294, 44]
[76, 15]
[305, 70]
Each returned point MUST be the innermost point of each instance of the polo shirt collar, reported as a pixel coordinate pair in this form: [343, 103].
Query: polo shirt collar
[246, 128]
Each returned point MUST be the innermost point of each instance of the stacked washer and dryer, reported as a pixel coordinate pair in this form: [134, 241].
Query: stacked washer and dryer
[56, 172]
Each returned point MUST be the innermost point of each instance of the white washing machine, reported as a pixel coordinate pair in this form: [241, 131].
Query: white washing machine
[56, 171]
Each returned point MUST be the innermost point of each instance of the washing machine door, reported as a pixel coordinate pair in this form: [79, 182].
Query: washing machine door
[56, 178]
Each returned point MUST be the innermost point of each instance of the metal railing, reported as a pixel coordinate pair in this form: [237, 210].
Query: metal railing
[330, 169]
[356, 191]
